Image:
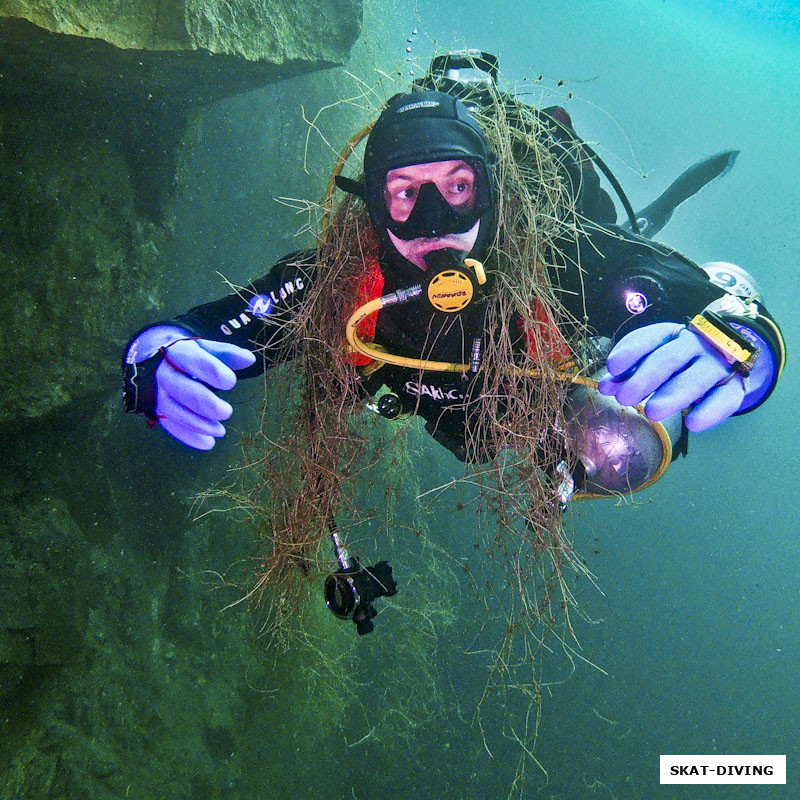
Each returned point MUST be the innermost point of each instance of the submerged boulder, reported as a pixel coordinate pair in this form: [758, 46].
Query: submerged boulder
[78, 264]
[188, 50]
[97, 103]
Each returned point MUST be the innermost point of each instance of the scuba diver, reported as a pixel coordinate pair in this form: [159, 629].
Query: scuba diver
[689, 346]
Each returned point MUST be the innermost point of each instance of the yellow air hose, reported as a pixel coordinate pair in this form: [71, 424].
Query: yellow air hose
[372, 307]
[379, 354]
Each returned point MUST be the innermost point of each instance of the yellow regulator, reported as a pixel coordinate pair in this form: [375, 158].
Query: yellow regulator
[453, 289]
[450, 290]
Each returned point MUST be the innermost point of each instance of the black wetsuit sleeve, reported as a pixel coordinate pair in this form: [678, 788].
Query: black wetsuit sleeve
[616, 282]
[256, 317]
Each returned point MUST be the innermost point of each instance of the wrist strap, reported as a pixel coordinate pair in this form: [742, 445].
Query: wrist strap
[139, 380]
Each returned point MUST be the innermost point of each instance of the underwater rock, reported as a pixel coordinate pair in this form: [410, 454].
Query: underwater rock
[71, 248]
[42, 609]
[97, 101]
[189, 50]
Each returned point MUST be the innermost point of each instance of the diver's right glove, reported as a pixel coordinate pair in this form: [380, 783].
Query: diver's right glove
[170, 377]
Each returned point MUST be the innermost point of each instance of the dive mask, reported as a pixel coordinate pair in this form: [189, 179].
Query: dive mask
[432, 215]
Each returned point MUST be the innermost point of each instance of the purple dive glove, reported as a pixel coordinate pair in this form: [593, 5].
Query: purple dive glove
[190, 369]
[677, 368]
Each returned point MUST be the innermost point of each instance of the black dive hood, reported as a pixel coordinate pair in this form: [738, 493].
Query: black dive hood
[421, 127]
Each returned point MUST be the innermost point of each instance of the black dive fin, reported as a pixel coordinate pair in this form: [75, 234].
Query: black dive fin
[654, 217]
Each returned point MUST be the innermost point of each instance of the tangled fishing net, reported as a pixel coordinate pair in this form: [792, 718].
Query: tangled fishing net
[337, 460]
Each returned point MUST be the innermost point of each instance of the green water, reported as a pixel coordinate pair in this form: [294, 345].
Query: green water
[160, 693]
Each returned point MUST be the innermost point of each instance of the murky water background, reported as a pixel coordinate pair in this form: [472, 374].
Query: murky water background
[698, 624]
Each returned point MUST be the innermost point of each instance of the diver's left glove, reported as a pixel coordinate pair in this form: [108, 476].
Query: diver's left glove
[170, 377]
[675, 367]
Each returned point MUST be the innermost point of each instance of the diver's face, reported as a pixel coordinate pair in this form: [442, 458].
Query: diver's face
[455, 182]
